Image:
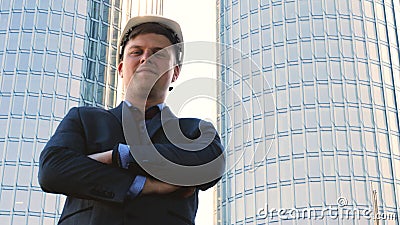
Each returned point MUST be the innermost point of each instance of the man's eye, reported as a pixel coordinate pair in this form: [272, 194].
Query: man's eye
[136, 52]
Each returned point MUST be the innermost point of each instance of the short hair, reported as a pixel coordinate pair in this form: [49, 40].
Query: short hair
[151, 28]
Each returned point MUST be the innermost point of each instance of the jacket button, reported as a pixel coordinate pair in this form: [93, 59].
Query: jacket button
[109, 194]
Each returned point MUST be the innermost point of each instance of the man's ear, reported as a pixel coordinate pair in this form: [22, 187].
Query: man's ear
[177, 71]
[120, 72]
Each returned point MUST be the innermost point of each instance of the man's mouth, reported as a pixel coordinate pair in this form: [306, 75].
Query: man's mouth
[146, 70]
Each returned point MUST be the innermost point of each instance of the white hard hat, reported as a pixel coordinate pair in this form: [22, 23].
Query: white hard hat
[136, 21]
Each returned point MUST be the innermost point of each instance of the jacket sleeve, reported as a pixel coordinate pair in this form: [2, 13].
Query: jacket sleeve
[64, 167]
[189, 151]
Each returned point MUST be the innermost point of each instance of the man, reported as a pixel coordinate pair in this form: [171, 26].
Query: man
[109, 181]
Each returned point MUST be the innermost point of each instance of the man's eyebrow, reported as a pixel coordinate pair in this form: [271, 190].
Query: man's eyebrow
[138, 46]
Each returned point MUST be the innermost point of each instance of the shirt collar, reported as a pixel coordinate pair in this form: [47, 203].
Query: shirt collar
[160, 105]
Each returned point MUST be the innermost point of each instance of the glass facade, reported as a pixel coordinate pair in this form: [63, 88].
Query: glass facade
[312, 124]
[53, 55]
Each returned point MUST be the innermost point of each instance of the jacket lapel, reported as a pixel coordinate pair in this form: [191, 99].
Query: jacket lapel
[117, 112]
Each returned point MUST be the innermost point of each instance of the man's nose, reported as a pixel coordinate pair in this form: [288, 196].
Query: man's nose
[146, 55]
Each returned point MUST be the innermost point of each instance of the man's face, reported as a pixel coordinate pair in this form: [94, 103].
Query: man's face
[148, 66]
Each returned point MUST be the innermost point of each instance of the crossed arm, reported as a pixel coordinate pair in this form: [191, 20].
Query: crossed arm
[66, 168]
[151, 185]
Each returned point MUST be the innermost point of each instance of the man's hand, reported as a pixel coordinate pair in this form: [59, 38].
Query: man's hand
[104, 157]
[186, 192]
[153, 186]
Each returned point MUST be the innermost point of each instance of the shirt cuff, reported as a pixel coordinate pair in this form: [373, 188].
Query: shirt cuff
[124, 155]
[137, 186]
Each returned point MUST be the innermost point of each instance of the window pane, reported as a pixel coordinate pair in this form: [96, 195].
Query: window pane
[23, 61]
[368, 9]
[303, 8]
[46, 106]
[333, 48]
[341, 140]
[389, 195]
[278, 34]
[44, 129]
[277, 13]
[296, 120]
[8, 179]
[279, 55]
[343, 7]
[344, 165]
[26, 38]
[316, 7]
[312, 142]
[10, 61]
[26, 154]
[16, 18]
[319, 50]
[383, 143]
[355, 137]
[360, 50]
[301, 195]
[370, 144]
[305, 29]
[367, 117]
[378, 95]
[386, 168]
[48, 84]
[24, 179]
[4, 105]
[295, 96]
[285, 170]
[306, 52]
[29, 128]
[326, 141]
[55, 21]
[371, 33]
[294, 74]
[347, 48]
[6, 200]
[291, 31]
[309, 95]
[290, 10]
[315, 193]
[323, 93]
[292, 49]
[360, 193]
[380, 119]
[283, 122]
[351, 93]
[329, 165]
[18, 105]
[339, 116]
[3, 123]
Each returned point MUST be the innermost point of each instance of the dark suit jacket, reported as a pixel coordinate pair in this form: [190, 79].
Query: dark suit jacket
[96, 192]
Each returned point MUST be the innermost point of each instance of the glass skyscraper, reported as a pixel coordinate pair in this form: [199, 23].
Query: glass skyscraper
[53, 55]
[310, 120]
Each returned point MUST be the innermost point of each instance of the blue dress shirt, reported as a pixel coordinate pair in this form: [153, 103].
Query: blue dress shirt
[126, 158]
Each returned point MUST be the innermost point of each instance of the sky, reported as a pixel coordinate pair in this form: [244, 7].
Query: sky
[198, 22]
